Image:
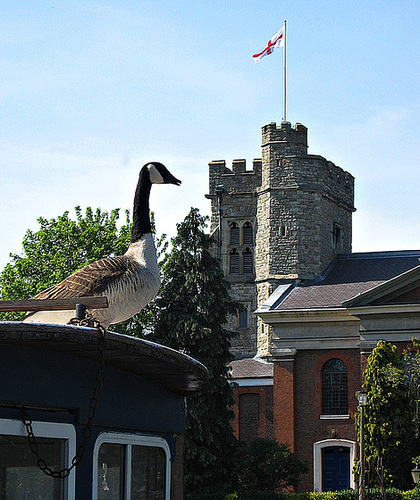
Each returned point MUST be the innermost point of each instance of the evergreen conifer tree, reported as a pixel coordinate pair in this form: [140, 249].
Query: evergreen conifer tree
[192, 310]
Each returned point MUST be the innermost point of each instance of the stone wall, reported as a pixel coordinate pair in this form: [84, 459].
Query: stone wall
[300, 208]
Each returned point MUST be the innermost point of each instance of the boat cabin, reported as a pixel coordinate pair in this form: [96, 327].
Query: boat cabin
[86, 413]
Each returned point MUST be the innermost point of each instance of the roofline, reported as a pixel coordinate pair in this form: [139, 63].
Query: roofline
[253, 381]
[388, 254]
[306, 315]
[382, 254]
[369, 310]
[385, 288]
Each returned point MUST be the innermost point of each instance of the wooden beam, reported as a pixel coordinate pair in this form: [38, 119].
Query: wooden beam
[52, 304]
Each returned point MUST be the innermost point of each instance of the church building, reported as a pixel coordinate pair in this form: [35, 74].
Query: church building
[312, 309]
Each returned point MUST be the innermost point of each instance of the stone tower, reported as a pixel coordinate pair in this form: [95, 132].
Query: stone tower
[282, 221]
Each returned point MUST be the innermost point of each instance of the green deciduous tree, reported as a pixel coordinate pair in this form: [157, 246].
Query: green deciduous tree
[412, 365]
[388, 416]
[193, 307]
[61, 246]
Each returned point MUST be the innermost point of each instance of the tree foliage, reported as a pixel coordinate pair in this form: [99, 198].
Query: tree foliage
[411, 356]
[388, 426]
[61, 246]
[264, 465]
[193, 307]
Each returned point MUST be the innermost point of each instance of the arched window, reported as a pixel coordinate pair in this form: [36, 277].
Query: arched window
[335, 399]
[243, 318]
[249, 416]
[234, 261]
[247, 235]
[247, 262]
[337, 236]
[233, 234]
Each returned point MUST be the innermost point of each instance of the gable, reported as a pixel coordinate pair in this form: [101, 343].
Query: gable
[408, 297]
[402, 289]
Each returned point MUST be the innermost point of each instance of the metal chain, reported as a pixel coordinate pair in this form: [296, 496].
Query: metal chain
[93, 405]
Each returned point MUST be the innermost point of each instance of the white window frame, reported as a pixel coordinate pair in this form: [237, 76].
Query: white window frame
[54, 430]
[130, 440]
[326, 443]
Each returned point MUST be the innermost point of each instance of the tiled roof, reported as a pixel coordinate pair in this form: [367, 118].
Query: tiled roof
[347, 276]
[251, 368]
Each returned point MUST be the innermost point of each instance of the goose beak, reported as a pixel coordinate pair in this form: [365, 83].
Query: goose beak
[170, 179]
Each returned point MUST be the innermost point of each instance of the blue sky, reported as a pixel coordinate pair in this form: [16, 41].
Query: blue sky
[92, 90]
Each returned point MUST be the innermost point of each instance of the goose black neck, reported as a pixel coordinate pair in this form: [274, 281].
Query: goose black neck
[141, 212]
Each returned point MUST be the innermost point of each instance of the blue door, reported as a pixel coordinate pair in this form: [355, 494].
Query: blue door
[335, 468]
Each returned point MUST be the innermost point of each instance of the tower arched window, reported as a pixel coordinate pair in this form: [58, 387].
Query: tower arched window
[247, 262]
[337, 236]
[233, 234]
[335, 399]
[234, 261]
[247, 234]
[243, 318]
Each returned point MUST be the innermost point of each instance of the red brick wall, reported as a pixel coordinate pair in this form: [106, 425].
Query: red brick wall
[284, 402]
[246, 406]
[298, 403]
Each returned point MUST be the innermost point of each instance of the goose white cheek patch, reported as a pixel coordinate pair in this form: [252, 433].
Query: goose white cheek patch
[155, 177]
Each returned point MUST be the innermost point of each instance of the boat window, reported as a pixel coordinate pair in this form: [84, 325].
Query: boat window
[131, 467]
[19, 473]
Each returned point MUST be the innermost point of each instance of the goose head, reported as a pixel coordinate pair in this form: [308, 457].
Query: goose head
[159, 174]
[151, 173]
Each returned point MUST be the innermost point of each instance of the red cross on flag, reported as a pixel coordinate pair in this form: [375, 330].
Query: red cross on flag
[275, 41]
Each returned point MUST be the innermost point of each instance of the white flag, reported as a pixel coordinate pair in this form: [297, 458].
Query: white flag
[276, 41]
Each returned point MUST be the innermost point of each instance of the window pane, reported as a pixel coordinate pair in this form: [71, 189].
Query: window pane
[21, 478]
[243, 319]
[148, 473]
[111, 471]
[334, 388]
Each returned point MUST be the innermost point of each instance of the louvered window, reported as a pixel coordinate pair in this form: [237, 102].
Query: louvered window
[234, 234]
[334, 388]
[234, 262]
[248, 261]
[247, 235]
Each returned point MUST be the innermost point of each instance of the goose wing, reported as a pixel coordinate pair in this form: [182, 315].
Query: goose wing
[92, 279]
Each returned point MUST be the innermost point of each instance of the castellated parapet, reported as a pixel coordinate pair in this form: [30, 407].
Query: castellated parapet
[299, 207]
[289, 140]
[238, 185]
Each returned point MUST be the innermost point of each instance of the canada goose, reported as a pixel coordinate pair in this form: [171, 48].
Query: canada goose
[129, 281]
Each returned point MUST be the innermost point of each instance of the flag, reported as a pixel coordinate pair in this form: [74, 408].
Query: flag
[276, 41]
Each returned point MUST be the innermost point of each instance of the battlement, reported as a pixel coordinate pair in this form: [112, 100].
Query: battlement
[285, 137]
[298, 207]
[237, 179]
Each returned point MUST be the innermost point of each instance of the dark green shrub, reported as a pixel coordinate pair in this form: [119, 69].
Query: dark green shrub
[411, 494]
[258, 495]
[266, 466]
[294, 496]
[208, 496]
[347, 494]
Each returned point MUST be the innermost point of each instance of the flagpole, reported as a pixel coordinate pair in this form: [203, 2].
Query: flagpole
[284, 73]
